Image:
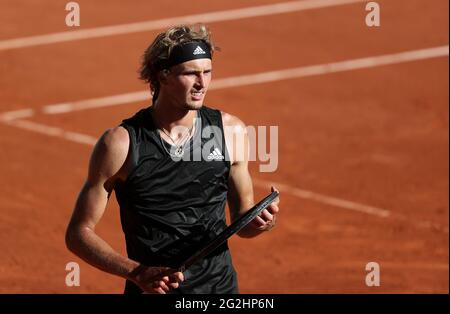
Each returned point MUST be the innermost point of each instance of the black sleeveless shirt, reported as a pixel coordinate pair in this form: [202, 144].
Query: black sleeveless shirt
[169, 208]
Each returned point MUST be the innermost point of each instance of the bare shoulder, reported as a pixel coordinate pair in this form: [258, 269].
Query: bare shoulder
[236, 138]
[116, 139]
[231, 121]
[110, 154]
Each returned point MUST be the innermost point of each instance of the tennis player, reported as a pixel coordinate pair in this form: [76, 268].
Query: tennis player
[173, 166]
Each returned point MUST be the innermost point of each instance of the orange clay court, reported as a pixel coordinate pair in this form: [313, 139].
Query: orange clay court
[362, 114]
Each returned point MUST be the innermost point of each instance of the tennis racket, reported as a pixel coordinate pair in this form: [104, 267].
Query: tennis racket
[237, 225]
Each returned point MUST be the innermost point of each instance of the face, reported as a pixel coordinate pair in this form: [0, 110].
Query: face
[186, 83]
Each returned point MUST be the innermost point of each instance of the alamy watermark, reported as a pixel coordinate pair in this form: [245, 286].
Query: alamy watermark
[248, 143]
[373, 17]
[73, 17]
[73, 275]
[373, 276]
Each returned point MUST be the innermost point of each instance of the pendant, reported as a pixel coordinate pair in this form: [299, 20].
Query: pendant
[179, 151]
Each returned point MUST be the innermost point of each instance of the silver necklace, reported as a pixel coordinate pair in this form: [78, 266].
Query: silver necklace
[179, 148]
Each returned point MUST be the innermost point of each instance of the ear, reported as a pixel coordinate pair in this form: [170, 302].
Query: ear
[162, 75]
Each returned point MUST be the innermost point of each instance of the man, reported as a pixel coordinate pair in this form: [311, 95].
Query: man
[170, 202]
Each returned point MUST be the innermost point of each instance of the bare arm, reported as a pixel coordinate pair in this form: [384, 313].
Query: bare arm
[107, 159]
[105, 168]
[240, 192]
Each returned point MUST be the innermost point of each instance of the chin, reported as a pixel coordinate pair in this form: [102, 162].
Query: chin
[194, 105]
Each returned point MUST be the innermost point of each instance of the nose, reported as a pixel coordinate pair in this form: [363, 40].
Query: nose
[200, 80]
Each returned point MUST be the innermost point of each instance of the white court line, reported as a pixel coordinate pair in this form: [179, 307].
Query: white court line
[226, 15]
[96, 102]
[53, 131]
[344, 204]
[17, 114]
[259, 78]
[333, 201]
[354, 64]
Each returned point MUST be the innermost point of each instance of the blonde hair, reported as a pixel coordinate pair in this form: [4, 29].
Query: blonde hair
[160, 49]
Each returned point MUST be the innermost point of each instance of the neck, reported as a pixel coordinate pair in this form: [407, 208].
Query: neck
[168, 116]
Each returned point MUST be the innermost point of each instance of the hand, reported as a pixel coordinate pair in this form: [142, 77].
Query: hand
[267, 219]
[156, 280]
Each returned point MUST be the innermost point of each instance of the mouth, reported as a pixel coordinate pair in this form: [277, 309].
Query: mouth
[197, 95]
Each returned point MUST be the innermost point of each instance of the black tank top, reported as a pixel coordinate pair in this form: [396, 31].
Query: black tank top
[169, 208]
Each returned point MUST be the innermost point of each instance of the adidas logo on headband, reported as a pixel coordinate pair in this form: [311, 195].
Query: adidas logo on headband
[198, 51]
[186, 52]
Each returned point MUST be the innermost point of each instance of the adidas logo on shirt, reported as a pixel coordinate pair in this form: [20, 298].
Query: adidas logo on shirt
[216, 155]
[198, 51]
